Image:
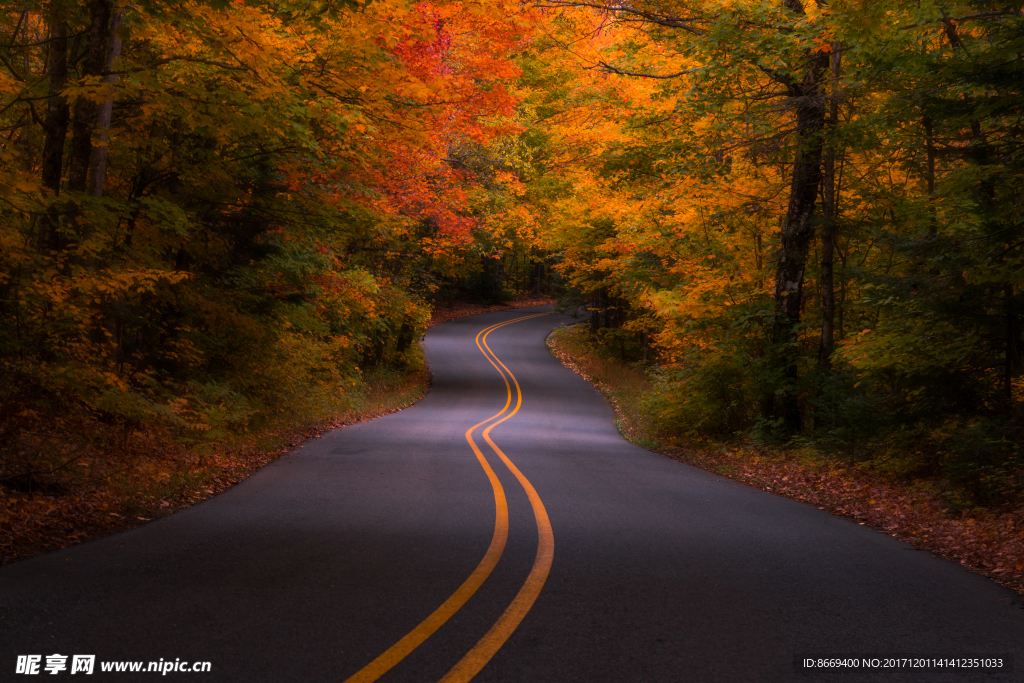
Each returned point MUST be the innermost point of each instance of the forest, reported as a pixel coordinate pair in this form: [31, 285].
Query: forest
[801, 220]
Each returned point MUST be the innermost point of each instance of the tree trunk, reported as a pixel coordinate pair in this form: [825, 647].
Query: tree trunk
[27, 138]
[796, 238]
[1012, 353]
[929, 146]
[86, 108]
[828, 228]
[98, 166]
[57, 114]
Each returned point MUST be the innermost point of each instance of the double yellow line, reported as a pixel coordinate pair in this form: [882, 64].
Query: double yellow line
[485, 649]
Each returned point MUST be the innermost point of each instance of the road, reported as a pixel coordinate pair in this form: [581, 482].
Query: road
[381, 545]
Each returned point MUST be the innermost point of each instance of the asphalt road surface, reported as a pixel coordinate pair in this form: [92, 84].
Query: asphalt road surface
[381, 545]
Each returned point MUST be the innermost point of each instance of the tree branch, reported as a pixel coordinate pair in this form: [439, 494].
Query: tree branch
[967, 17]
[178, 58]
[666, 20]
[621, 72]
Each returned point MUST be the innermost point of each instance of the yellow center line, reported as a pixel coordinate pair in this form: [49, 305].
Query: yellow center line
[475, 660]
[413, 639]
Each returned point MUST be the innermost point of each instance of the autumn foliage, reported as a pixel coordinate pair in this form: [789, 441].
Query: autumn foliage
[218, 216]
[803, 218]
[809, 214]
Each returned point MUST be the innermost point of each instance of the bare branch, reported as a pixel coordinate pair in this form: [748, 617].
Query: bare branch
[178, 58]
[621, 72]
[999, 14]
[666, 20]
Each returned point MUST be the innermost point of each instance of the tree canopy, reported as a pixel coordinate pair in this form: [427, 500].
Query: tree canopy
[804, 216]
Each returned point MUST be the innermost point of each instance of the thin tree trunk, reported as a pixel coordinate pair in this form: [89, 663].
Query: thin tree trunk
[98, 166]
[929, 147]
[1011, 353]
[57, 115]
[828, 228]
[86, 108]
[841, 305]
[114, 308]
[27, 136]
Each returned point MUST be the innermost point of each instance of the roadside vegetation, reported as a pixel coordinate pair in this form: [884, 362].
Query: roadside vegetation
[154, 472]
[224, 227]
[922, 511]
[223, 222]
[101, 486]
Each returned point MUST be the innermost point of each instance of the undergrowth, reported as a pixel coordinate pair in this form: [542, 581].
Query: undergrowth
[115, 478]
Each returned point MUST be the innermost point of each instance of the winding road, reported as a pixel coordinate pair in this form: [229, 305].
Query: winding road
[500, 530]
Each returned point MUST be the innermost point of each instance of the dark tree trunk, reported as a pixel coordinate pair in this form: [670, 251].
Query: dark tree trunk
[828, 228]
[405, 337]
[86, 109]
[929, 147]
[1012, 357]
[98, 173]
[797, 235]
[98, 166]
[798, 229]
[28, 136]
[57, 115]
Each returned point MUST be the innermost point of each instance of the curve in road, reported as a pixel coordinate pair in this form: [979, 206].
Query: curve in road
[483, 651]
[337, 551]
